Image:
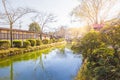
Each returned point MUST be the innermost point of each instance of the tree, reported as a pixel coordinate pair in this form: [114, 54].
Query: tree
[100, 61]
[110, 35]
[100, 51]
[89, 42]
[34, 27]
[60, 33]
[44, 19]
[95, 11]
[10, 16]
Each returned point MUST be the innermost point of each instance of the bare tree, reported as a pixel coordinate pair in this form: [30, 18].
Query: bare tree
[44, 19]
[60, 32]
[94, 11]
[10, 16]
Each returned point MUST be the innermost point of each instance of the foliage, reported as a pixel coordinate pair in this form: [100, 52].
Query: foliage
[26, 49]
[38, 42]
[34, 27]
[26, 44]
[53, 40]
[75, 48]
[88, 43]
[10, 52]
[110, 35]
[61, 39]
[102, 65]
[45, 41]
[32, 41]
[101, 54]
[4, 44]
[17, 43]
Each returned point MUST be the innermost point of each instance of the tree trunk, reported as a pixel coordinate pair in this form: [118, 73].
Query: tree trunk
[41, 36]
[11, 36]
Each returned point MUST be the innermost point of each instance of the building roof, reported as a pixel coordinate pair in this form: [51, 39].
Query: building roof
[19, 30]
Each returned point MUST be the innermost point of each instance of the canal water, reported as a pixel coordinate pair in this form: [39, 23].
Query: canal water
[55, 64]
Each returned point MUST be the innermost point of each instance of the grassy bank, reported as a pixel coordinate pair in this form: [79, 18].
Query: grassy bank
[6, 61]
[17, 51]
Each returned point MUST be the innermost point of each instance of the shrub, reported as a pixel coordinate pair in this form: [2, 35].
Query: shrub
[4, 44]
[53, 40]
[45, 41]
[60, 40]
[26, 44]
[50, 41]
[32, 41]
[17, 43]
[38, 42]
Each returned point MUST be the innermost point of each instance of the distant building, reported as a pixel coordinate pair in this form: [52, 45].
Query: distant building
[19, 34]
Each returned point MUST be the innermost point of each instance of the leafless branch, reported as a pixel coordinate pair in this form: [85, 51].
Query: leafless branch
[94, 11]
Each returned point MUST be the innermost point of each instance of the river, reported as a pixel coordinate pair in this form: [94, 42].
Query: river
[55, 64]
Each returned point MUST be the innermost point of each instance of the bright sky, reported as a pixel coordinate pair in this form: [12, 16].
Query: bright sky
[61, 8]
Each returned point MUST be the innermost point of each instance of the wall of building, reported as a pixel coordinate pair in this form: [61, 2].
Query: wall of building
[18, 34]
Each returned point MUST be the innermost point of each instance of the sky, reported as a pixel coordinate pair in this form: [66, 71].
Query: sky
[60, 8]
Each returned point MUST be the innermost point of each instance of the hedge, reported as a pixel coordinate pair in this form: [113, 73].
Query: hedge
[4, 44]
[26, 44]
[45, 41]
[38, 42]
[15, 51]
[54, 40]
[61, 39]
[17, 43]
[32, 41]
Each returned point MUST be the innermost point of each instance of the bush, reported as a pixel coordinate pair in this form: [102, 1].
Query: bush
[32, 41]
[17, 43]
[45, 41]
[50, 41]
[53, 40]
[61, 39]
[4, 44]
[26, 44]
[38, 42]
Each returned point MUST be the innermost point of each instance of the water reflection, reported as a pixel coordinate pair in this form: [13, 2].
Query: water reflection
[11, 70]
[58, 64]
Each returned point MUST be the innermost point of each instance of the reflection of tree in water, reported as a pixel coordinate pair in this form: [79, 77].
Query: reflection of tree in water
[41, 64]
[62, 50]
[60, 53]
[11, 70]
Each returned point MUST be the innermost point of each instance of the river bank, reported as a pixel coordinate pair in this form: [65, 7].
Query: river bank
[16, 51]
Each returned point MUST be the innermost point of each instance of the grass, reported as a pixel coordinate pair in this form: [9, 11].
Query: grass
[16, 51]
